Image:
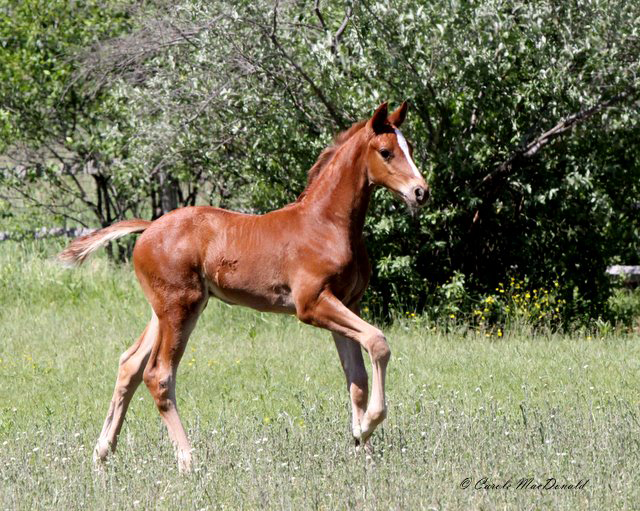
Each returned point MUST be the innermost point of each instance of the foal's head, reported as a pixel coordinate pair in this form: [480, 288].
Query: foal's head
[389, 157]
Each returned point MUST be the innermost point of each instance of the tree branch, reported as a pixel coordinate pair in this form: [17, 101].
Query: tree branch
[341, 29]
[337, 118]
[53, 209]
[185, 36]
[530, 149]
[316, 9]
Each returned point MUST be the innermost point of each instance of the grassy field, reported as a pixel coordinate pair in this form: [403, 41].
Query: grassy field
[265, 405]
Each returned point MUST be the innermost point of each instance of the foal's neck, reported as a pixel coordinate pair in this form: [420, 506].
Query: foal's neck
[340, 194]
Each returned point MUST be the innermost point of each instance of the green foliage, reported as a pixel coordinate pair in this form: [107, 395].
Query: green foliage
[523, 117]
[54, 131]
[625, 305]
[39, 40]
[485, 80]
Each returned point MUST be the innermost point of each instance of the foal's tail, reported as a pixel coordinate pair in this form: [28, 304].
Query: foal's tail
[83, 246]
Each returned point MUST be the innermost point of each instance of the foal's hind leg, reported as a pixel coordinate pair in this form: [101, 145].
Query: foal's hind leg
[132, 363]
[357, 379]
[176, 324]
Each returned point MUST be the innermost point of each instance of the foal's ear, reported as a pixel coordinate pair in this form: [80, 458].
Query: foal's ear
[379, 118]
[399, 115]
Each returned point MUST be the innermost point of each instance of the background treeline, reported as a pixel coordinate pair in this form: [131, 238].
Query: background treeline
[524, 120]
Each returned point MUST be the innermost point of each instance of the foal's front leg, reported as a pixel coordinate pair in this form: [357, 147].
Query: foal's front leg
[326, 311]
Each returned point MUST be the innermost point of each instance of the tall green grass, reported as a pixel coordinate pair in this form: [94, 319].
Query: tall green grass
[265, 405]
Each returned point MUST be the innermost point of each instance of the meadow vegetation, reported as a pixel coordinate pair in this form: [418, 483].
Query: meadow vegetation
[264, 401]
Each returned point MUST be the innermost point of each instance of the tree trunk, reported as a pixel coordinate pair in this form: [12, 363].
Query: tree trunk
[168, 191]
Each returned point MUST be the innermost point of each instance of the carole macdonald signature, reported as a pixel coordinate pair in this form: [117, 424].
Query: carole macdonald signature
[524, 483]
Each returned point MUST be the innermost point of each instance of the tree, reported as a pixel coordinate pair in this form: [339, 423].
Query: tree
[60, 140]
[524, 118]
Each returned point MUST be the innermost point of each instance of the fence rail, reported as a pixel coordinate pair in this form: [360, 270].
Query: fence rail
[630, 274]
[46, 232]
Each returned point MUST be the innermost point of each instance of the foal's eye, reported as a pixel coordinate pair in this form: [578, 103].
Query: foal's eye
[385, 153]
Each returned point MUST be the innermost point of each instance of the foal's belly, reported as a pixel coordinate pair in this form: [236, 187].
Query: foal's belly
[270, 301]
[245, 284]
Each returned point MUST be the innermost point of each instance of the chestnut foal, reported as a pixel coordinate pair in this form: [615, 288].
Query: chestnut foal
[307, 259]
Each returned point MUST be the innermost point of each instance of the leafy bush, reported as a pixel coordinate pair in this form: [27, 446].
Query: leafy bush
[625, 306]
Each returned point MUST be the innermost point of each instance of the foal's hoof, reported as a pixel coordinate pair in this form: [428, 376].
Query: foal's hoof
[101, 452]
[365, 449]
[368, 424]
[184, 462]
[362, 434]
[366, 430]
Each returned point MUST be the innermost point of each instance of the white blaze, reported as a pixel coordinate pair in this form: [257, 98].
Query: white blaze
[402, 142]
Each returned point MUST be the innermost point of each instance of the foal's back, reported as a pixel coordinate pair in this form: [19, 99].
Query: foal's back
[240, 258]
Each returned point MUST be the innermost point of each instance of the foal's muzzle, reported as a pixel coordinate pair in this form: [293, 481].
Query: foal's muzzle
[421, 194]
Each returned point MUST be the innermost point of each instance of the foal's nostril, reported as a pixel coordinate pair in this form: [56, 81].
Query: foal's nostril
[421, 194]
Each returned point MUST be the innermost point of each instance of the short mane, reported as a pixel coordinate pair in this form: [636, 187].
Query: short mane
[326, 155]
